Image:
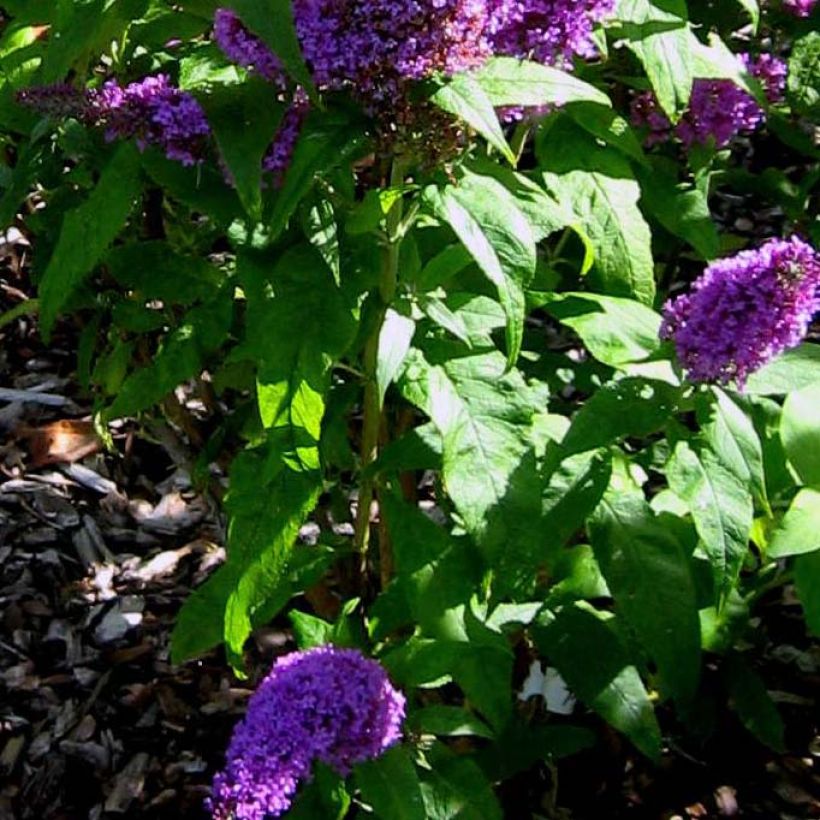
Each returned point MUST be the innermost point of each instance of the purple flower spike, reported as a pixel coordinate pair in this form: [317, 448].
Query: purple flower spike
[155, 113]
[745, 310]
[718, 109]
[278, 157]
[325, 704]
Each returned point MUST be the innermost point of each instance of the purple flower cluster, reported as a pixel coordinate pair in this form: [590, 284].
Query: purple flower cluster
[745, 310]
[152, 111]
[718, 109]
[374, 47]
[800, 8]
[325, 704]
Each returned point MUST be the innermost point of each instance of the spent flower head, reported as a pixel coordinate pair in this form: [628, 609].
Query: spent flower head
[745, 310]
[325, 704]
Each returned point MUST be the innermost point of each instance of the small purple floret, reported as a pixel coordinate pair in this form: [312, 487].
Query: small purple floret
[745, 310]
[277, 159]
[327, 705]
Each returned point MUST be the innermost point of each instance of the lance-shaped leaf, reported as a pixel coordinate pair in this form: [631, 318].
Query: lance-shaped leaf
[599, 187]
[648, 573]
[298, 324]
[87, 231]
[485, 217]
[721, 508]
[659, 36]
[585, 646]
[509, 81]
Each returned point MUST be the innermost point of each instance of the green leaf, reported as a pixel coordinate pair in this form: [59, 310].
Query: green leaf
[87, 231]
[244, 121]
[599, 187]
[752, 8]
[455, 788]
[647, 570]
[434, 571]
[157, 271]
[200, 623]
[800, 432]
[272, 20]
[298, 324]
[721, 508]
[509, 81]
[267, 504]
[602, 122]
[731, 435]
[182, 356]
[615, 331]
[799, 530]
[804, 75]
[807, 582]
[659, 36]
[463, 96]
[585, 646]
[325, 142]
[484, 216]
[753, 703]
[627, 407]
[448, 721]
[484, 417]
[395, 337]
[391, 786]
[792, 370]
[681, 209]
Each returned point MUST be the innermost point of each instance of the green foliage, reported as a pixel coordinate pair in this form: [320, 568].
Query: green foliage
[449, 347]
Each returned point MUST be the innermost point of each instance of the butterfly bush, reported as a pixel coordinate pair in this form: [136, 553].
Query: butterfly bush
[745, 310]
[325, 704]
[152, 111]
[718, 110]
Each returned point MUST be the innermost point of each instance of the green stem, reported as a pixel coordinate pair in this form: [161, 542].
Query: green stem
[27, 308]
[388, 281]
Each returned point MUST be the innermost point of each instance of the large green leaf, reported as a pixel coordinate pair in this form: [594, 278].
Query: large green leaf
[807, 582]
[182, 356]
[659, 36]
[244, 121]
[298, 324]
[804, 75]
[753, 704]
[585, 646]
[647, 571]
[485, 418]
[455, 788]
[157, 271]
[509, 81]
[721, 507]
[799, 530]
[792, 370]
[87, 231]
[267, 504]
[434, 571]
[616, 331]
[599, 187]
[800, 432]
[730, 433]
[464, 97]
[391, 786]
[627, 407]
[682, 209]
[486, 219]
